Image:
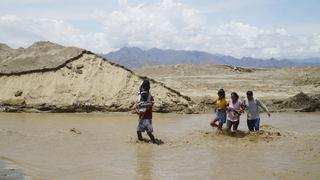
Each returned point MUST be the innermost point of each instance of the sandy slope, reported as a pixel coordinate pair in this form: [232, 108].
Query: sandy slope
[82, 83]
[41, 55]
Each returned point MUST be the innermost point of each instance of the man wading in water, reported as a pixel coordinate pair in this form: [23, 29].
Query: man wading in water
[144, 110]
[252, 106]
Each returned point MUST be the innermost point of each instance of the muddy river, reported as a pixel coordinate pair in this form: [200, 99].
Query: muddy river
[103, 146]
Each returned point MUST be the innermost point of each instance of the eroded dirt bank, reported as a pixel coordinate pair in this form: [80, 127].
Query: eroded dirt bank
[47, 77]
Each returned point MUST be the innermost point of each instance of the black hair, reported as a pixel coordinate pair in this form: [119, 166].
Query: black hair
[235, 94]
[221, 93]
[249, 93]
[145, 86]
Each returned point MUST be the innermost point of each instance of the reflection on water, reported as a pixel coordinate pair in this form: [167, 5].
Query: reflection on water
[144, 162]
[45, 148]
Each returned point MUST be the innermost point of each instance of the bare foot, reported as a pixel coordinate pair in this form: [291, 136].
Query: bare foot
[213, 125]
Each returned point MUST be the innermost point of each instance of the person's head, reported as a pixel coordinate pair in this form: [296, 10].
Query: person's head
[221, 93]
[249, 95]
[145, 85]
[234, 97]
[144, 94]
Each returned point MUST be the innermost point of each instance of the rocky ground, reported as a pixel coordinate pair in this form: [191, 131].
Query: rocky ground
[287, 89]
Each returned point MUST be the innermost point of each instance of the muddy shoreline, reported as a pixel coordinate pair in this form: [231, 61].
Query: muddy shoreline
[299, 103]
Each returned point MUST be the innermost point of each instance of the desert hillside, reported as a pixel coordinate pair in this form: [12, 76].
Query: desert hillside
[53, 78]
[275, 86]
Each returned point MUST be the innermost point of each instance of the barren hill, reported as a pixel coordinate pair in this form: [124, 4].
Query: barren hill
[50, 77]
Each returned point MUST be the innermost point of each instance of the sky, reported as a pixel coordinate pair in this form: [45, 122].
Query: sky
[240, 28]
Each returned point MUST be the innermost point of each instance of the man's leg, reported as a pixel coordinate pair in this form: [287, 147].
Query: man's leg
[235, 125]
[153, 140]
[222, 119]
[150, 130]
[213, 122]
[220, 125]
[229, 124]
[139, 134]
[250, 124]
[257, 124]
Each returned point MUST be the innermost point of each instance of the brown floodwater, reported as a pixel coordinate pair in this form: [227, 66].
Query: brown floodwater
[103, 146]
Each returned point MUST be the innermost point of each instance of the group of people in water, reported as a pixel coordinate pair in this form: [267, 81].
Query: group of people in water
[228, 112]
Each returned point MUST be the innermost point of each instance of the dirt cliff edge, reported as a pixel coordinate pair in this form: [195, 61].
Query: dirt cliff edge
[52, 78]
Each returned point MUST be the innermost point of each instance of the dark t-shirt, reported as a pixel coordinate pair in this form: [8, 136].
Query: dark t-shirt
[148, 114]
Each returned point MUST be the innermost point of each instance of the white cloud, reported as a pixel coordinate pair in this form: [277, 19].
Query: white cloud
[19, 31]
[22, 32]
[169, 25]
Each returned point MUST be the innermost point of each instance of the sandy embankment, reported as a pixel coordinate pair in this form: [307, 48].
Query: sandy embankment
[52, 78]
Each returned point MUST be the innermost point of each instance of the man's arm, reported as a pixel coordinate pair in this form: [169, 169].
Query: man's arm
[264, 107]
[151, 102]
[214, 104]
[214, 101]
[148, 104]
[135, 109]
[244, 105]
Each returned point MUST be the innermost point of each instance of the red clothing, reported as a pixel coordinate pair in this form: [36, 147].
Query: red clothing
[148, 114]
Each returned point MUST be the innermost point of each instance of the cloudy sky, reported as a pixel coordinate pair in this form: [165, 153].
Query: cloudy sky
[256, 28]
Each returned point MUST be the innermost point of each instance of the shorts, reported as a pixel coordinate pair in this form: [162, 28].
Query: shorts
[234, 125]
[253, 124]
[221, 117]
[145, 125]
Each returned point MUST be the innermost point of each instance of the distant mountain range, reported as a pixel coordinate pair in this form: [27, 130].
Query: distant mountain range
[133, 57]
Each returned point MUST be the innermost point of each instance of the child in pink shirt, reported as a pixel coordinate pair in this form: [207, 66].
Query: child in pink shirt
[234, 112]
